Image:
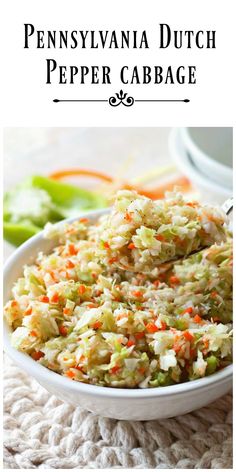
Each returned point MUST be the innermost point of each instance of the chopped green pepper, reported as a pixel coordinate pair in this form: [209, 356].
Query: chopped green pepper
[30, 205]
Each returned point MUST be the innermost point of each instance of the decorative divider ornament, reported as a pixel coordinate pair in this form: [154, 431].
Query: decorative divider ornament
[121, 98]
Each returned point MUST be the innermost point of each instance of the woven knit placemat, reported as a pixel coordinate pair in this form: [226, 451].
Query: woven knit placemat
[42, 432]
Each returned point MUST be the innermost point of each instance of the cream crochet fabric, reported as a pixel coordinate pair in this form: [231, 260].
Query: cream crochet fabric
[41, 432]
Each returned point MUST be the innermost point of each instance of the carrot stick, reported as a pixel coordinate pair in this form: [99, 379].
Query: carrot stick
[159, 191]
[80, 172]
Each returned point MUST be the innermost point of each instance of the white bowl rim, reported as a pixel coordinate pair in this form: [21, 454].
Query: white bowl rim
[197, 151]
[186, 164]
[44, 374]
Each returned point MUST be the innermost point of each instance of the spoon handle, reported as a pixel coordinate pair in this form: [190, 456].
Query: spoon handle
[228, 205]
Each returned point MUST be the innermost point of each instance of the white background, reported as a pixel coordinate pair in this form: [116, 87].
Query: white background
[27, 99]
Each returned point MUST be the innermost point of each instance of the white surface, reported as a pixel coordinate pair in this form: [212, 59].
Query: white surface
[209, 190]
[137, 404]
[218, 141]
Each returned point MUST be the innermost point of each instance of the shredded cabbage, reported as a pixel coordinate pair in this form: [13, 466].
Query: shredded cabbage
[111, 306]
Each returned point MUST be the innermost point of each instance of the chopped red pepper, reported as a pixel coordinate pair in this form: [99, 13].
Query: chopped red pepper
[131, 246]
[97, 325]
[70, 264]
[79, 367]
[28, 311]
[188, 336]
[37, 355]
[130, 343]
[137, 293]
[33, 333]
[44, 299]
[14, 303]
[151, 328]
[66, 311]
[106, 245]
[142, 370]
[92, 305]
[139, 335]
[72, 250]
[188, 310]
[163, 326]
[70, 374]
[156, 283]
[55, 298]
[113, 259]
[63, 330]
[160, 237]
[128, 216]
[82, 289]
[174, 280]
[114, 369]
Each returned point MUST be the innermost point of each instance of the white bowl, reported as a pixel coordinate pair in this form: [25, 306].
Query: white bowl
[217, 142]
[210, 191]
[128, 404]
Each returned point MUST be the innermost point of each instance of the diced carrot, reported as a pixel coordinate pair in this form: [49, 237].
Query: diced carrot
[14, 304]
[197, 319]
[33, 333]
[66, 311]
[137, 293]
[70, 264]
[122, 315]
[156, 283]
[92, 305]
[188, 336]
[106, 245]
[70, 374]
[44, 299]
[72, 250]
[79, 367]
[52, 274]
[84, 220]
[163, 326]
[192, 353]
[214, 294]
[176, 347]
[192, 204]
[63, 330]
[114, 369]
[174, 280]
[82, 289]
[28, 311]
[131, 246]
[139, 335]
[96, 325]
[142, 370]
[188, 310]
[130, 343]
[37, 355]
[55, 298]
[160, 237]
[113, 259]
[151, 328]
[128, 216]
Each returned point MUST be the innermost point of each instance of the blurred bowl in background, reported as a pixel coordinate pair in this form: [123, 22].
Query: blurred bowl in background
[210, 191]
[211, 151]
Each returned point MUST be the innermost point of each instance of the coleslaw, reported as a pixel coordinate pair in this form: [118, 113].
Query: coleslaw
[83, 313]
